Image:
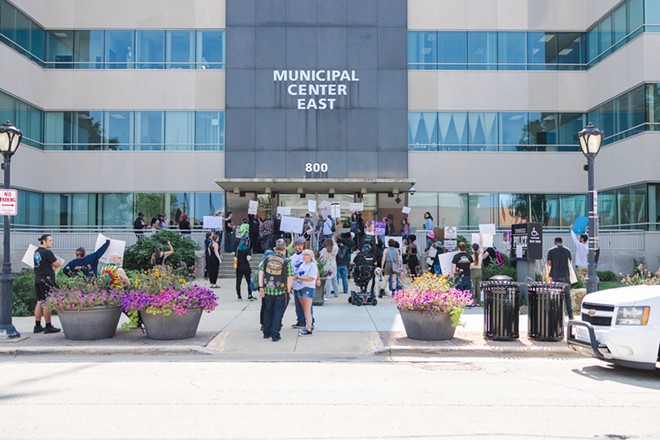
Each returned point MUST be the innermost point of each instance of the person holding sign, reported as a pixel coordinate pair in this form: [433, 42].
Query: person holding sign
[159, 256]
[87, 265]
[45, 263]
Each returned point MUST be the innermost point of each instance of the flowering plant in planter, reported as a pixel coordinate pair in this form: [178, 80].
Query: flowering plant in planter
[79, 292]
[433, 294]
[159, 292]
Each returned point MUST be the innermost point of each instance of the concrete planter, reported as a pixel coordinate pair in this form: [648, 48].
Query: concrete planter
[169, 327]
[319, 294]
[425, 326]
[91, 323]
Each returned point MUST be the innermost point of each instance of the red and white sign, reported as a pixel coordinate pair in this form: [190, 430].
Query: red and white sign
[8, 202]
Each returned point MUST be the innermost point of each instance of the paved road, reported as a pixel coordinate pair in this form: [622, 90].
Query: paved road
[119, 397]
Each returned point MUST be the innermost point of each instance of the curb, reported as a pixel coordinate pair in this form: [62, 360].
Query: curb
[157, 350]
[478, 351]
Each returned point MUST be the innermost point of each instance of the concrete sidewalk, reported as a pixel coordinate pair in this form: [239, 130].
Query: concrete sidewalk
[342, 331]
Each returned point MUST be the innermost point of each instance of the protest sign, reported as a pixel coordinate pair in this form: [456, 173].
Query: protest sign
[213, 222]
[116, 247]
[292, 224]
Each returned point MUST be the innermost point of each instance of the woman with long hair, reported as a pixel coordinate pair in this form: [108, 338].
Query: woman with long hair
[307, 274]
[243, 269]
[328, 257]
[413, 260]
[214, 260]
[391, 264]
[476, 272]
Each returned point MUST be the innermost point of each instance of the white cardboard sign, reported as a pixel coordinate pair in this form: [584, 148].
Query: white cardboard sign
[213, 222]
[445, 262]
[356, 207]
[311, 205]
[292, 224]
[284, 210]
[335, 210]
[253, 207]
[116, 247]
[406, 209]
[28, 258]
[488, 228]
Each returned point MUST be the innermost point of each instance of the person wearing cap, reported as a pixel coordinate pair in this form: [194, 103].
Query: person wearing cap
[275, 284]
[296, 262]
[45, 263]
[139, 225]
[184, 225]
[86, 265]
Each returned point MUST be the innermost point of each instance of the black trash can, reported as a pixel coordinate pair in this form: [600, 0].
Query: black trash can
[501, 308]
[546, 311]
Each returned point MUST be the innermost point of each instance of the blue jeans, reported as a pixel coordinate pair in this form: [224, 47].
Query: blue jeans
[275, 305]
[342, 271]
[464, 283]
[300, 315]
[330, 285]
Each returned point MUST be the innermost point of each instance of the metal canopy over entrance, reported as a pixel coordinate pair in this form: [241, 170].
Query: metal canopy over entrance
[311, 186]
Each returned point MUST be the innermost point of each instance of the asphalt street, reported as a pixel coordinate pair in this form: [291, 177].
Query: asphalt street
[166, 397]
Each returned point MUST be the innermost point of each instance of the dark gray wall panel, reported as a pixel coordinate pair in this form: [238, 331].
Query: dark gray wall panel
[270, 46]
[270, 13]
[367, 36]
[270, 129]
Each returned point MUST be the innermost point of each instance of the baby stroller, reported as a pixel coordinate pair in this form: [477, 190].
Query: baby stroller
[362, 275]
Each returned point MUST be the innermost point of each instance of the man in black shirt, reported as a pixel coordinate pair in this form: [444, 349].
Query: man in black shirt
[45, 264]
[184, 225]
[558, 260]
[460, 268]
[139, 225]
[345, 245]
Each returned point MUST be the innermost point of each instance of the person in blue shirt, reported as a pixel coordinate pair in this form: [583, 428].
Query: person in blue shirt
[87, 265]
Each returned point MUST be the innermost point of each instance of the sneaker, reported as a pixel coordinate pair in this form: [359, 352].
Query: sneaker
[277, 338]
[38, 329]
[304, 332]
[298, 325]
[51, 329]
[266, 336]
[239, 299]
[251, 298]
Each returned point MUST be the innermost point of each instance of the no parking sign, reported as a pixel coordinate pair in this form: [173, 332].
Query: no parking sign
[9, 202]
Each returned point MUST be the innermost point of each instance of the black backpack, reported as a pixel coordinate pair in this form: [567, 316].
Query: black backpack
[342, 252]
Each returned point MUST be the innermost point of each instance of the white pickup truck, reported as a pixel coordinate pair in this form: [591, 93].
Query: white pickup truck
[620, 325]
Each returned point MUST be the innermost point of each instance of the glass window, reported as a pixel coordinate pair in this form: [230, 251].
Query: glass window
[423, 130]
[605, 35]
[542, 130]
[422, 50]
[119, 49]
[118, 130]
[592, 44]
[150, 49]
[452, 50]
[177, 204]
[572, 206]
[607, 209]
[210, 49]
[59, 49]
[88, 131]
[569, 126]
[23, 32]
[7, 108]
[83, 209]
[117, 209]
[209, 130]
[58, 130]
[89, 49]
[652, 12]
[632, 207]
[38, 42]
[483, 131]
[545, 209]
[36, 125]
[636, 14]
[179, 130]
[453, 130]
[513, 131]
[207, 204]
[570, 49]
[35, 203]
[512, 50]
[619, 29]
[151, 204]
[8, 20]
[180, 49]
[513, 208]
[482, 50]
[653, 97]
[542, 50]
[654, 206]
[452, 209]
[149, 133]
[482, 209]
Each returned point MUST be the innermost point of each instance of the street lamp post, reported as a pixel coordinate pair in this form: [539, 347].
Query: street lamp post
[590, 140]
[10, 139]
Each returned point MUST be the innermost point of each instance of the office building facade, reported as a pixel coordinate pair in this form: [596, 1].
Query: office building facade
[195, 106]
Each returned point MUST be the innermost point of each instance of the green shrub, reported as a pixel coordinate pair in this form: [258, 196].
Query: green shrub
[23, 299]
[607, 276]
[138, 256]
[493, 269]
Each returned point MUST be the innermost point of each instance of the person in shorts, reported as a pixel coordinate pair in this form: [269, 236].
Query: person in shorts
[45, 264]
[306, 276]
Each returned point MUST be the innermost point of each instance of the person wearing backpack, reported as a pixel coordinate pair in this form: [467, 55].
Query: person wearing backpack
[275, 285]
[344, 245]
